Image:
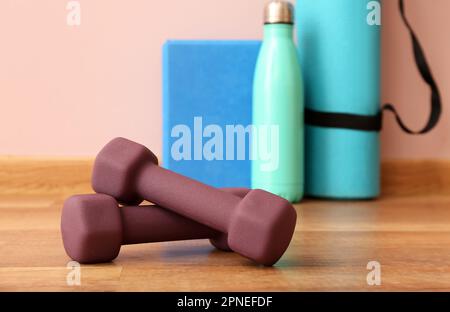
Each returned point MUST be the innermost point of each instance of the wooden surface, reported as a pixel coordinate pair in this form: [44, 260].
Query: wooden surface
[407, 231]
[56, 176]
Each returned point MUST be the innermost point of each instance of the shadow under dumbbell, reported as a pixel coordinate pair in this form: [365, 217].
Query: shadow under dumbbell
[186, 251]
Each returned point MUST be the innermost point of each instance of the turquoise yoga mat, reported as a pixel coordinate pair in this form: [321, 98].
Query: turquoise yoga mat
[340, 58]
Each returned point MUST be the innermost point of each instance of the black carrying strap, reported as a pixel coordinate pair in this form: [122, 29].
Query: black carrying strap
[374, 123]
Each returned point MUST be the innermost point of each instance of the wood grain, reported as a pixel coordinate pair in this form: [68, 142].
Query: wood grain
[415, 177]
[68, 176]
[19, 176]
[407, 231]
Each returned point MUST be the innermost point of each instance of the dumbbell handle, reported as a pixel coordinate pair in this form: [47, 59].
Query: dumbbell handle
[152, 224]
[200, 202]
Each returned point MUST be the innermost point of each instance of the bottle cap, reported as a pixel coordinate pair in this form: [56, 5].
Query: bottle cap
[279, 12]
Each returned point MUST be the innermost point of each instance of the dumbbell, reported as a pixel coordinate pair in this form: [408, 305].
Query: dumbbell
[260, 226]
[94, 227]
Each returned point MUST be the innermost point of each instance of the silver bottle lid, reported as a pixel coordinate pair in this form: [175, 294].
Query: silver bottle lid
[279, 12]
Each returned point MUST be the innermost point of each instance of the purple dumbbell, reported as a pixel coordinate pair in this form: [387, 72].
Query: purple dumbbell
[260, 226]
[94, 227]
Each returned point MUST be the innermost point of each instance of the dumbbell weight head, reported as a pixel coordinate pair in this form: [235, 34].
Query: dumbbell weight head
[115, 176]
[260, 231]
[91, 228]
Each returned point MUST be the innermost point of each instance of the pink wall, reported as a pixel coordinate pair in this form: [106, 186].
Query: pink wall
[402, 84]
[65, 91]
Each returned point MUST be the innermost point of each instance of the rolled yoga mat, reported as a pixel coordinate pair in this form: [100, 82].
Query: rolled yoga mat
[340, 58]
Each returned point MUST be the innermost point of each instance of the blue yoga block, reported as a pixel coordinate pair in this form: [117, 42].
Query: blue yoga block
[211, 80]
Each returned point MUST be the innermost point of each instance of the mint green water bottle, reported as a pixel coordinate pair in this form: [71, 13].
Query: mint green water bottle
[278, 139]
